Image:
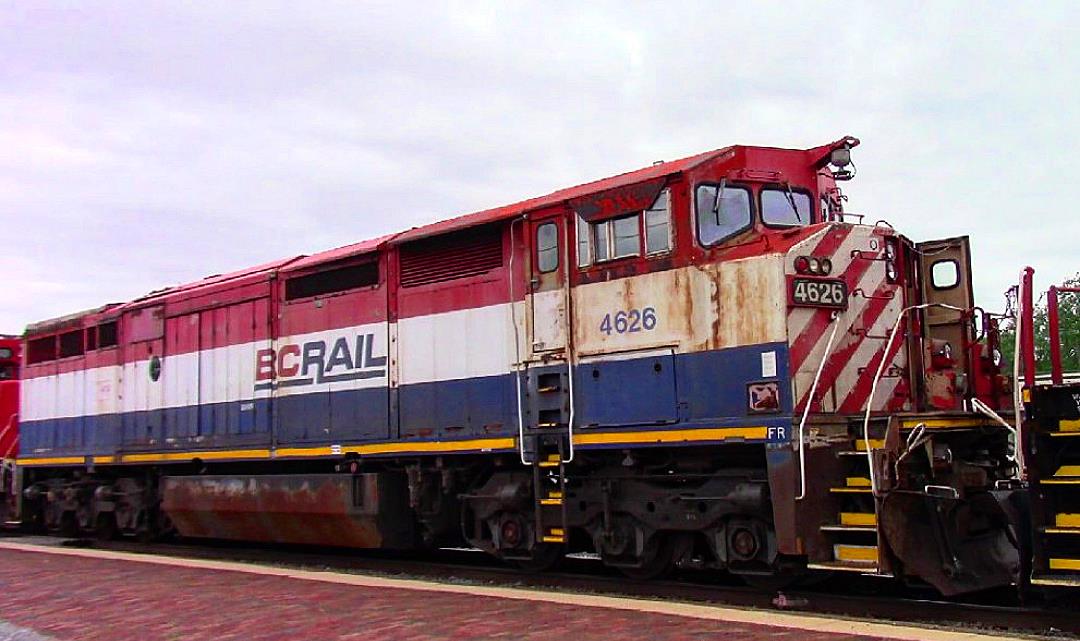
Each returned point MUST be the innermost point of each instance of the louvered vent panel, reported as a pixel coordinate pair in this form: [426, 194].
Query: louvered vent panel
[451, 256]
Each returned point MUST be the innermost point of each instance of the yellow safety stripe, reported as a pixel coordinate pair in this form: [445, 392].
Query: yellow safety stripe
[1069, 425]
[1065, 564]
[406, 447]
[672, 436]
[377, 448]
[403, 447]
[1068, 470]
[858, 481]
[858, 518]
[859, 553]
[53, 460]
[931, 423]
[1066, 519]
[875, 443]
[150, 457]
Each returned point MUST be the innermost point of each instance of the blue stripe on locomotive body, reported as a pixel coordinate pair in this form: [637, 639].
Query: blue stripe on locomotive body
[707, 389]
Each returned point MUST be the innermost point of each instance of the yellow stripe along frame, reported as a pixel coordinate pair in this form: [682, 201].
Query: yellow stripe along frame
[411, 447]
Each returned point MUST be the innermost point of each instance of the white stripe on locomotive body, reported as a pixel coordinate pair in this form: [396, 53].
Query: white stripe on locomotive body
[436, 348]
[692, 309]
[350, 345]
[88, 392]
[466, 343]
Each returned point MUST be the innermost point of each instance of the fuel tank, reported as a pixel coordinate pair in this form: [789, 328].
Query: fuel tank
[363, 510]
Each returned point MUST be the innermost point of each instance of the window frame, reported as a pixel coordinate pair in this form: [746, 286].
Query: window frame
[590, 232]
[115, 334]
[608, 224]
[583, 231]
[956, 274]
[751, 204]
[32, 349]
[539, 261]
[670, 224]
[783, 189]
[350, 263]
[68, 348]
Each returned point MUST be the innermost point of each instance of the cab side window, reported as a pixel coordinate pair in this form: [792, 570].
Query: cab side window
[547, 248]
[646, 232]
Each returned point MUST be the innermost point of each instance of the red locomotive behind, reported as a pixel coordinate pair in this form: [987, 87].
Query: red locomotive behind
[10, 358]
[704, 363]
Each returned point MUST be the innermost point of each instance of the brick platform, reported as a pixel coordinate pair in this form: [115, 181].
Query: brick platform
[69, 594]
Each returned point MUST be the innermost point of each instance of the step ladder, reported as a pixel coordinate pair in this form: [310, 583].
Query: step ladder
[853, 532]
[547, 447]
[549, 492]
[1053, 465]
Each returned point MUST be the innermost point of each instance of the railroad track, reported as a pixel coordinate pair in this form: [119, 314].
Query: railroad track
[842, 596]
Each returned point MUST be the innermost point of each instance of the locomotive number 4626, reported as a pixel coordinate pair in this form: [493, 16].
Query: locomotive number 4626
[629, 322]
[819, 292]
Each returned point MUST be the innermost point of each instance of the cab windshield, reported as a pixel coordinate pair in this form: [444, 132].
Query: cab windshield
[722, 211]
[782, 207]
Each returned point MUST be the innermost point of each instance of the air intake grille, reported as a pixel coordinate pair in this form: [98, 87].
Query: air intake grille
[451, 256]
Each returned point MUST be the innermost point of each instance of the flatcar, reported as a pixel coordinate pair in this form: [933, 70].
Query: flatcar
[705, 363]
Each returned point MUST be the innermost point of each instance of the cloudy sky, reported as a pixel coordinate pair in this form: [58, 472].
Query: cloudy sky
[145, 144]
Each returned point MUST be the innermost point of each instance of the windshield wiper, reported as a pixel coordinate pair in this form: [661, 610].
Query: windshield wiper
[718, 200]
[791, 201]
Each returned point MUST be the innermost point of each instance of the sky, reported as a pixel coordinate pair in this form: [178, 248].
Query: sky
[146, 144]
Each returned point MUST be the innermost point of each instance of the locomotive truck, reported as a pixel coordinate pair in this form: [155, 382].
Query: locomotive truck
[706, 363]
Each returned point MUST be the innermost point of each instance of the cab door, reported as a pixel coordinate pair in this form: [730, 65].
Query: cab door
[547, 285]
[944, 268]
[548, 364]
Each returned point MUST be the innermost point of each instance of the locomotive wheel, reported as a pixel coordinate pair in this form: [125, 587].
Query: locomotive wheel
[545, 556]
[657, 560]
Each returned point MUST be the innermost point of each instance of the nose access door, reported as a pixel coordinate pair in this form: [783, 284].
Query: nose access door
[945, 278]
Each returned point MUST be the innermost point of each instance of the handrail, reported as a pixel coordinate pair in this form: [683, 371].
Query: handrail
[517, 348]
[877, 377]
[810, 401]
[1056, 373]
[1024, 318]
[569, 338]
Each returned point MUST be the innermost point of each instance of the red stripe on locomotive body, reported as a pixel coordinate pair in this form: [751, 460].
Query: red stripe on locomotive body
[842, 354]
[816, 328]
[439, 298]
[856, 400]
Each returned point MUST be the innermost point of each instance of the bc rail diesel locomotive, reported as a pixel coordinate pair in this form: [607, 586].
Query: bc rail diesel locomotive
[706, 363]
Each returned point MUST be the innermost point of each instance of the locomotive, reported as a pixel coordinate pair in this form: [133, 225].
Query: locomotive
[705, 363]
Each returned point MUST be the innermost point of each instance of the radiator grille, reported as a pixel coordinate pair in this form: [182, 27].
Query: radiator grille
[451, 256]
